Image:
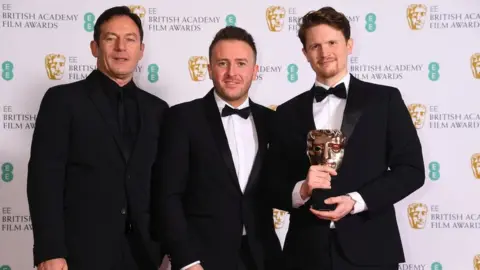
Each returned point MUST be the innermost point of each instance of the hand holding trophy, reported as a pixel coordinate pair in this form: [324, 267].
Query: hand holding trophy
[325, 147]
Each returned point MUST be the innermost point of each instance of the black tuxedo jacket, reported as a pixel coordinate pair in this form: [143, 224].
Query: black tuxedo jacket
[200, 208]
[79, 180]
[383, 162]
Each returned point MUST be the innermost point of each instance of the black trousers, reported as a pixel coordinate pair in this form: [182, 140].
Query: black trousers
[245, 258]
[134, 255]
[335, 259]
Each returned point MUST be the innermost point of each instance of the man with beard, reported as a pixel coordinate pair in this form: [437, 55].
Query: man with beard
[382, 162]
[208, 182]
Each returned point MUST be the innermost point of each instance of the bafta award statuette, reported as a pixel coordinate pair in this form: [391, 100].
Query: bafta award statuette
[325, 147]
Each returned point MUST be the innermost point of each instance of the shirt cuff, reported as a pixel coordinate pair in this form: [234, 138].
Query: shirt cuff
[359, 205]
[190, 265]
[297, 200]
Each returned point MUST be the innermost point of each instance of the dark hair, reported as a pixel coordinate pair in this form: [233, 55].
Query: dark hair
[325, 15]
[113, 12]
[233, 33]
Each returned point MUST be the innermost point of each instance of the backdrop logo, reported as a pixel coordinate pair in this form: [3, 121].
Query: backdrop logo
[281, 18]
[476, 262]
[475, 163]
[434, 171]
[475, 64]
[266, 71]
[292, 75]
[88, 21]
[19, 18]
[420, 17]
[418, 113]
[416, 16]
[153, 73]
[279, 218]
[417, 215]
[275, 16]
[371, 22]
[7, 172]
[55, 66]
[230, 20]
[433, 73]
[198, 68]
[383, 71]
[423, 266]
[438, 119]
[7, 70]
[420, 215]
[140, 11]
[12, 222]
[5, 267]
[59, 67]
[156, 21]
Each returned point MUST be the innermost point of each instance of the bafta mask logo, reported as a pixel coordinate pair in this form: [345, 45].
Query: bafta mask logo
[417, 215]
[475, 64]
[139, 10]
[417, 112]
[279, 218]
[475, 161]
[198, 67]
[55, 66]
[275, 16]
[416, 15]
[476, 262]
[326, 147]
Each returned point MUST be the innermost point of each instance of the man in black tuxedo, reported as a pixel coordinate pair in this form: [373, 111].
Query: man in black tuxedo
[93, 148]
[211, 209]
[382, 164]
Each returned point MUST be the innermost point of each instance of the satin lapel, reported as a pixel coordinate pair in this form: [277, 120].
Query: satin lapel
[220, 138]
[305, 113]
[356, 102]
[260, 121]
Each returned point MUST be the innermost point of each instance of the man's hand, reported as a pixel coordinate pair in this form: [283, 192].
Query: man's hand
[344, 206]
[195, 267]
[54, 264]
[319, 176]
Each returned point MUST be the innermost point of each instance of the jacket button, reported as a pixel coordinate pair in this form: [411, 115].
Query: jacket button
[124, 211]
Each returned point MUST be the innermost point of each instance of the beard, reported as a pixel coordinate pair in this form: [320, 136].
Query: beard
[329, 70]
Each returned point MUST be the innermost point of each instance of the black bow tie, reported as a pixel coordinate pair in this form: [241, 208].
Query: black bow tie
[320, 93]
[244, 113]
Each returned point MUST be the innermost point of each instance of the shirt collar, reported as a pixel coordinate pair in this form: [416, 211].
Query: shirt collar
[110, 85]
[222, 103]
[345, 80]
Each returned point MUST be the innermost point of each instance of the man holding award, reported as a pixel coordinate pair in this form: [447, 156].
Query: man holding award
[342, 154]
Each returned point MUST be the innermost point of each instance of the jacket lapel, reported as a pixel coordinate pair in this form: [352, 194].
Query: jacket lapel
[141, 101]
[219, 136]
[354, 107]
[100, 101]
[305, 113]
[260, 120]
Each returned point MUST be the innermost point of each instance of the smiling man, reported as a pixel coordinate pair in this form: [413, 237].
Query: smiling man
[93, 147]
[208, 179]
[382, 159]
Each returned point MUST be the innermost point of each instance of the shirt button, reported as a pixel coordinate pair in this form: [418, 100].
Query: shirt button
[128, 176]
[124, 211]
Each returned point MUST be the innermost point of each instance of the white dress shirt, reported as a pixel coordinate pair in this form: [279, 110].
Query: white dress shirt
[328, 114]
[243, 142]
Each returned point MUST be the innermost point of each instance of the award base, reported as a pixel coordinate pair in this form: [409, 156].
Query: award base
[318, 200]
